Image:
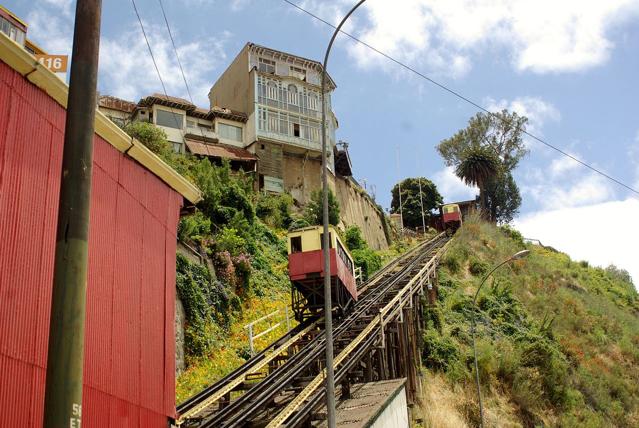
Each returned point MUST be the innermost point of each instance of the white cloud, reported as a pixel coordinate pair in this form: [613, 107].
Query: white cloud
[541, 36]
[126, 68]
[584, 233]
[51, 31]
[127, 71]
[451, 187]
[535, 109]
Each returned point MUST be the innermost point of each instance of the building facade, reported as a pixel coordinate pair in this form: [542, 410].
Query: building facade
[217, 133]
[280, 94]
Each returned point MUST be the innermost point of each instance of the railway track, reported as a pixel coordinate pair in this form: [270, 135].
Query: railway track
[283, 384]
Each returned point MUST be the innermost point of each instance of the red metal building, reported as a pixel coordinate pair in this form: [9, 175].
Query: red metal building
[129, 373]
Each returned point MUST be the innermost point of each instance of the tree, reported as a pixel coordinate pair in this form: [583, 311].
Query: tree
[503, 198]
[152, 137]
[314, 212]
[479, 165]
[411, 202]
[500, 133]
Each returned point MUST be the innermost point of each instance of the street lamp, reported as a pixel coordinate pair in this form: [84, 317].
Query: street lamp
[518, 255]
[328, 306]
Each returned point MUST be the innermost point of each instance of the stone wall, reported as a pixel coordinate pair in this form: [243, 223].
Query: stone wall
[357, 208]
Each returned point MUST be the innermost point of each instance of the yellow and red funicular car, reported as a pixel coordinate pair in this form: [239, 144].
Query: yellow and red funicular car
[451, 217]
[305, 267]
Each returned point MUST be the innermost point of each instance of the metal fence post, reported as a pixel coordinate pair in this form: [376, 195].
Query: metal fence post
[288, 322]
[251, 339]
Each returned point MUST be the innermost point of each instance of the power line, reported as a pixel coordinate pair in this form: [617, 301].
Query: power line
[168, 27]
[177, 56]
[157, 70]
[460, 96]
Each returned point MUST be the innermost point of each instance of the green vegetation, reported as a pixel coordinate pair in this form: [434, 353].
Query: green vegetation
[501, 134]
[412, 202]
[363, 256]
[557, 340]
[313, 213]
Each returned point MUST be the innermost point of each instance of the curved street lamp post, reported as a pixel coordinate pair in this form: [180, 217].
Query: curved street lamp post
[328, 318]
[519, 255]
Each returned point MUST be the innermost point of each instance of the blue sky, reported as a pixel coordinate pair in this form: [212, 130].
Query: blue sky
[572, 71]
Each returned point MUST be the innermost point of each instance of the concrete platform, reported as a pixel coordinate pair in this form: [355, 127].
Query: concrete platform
[373, 405]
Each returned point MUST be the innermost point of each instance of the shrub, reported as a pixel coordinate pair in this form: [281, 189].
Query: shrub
[229, 241]
[275, 210]
[314, 211]
[477, 267]
[354, 239]
[194, 228]
[368, 260]
[439, 352]
[152, 137]
[513, 234]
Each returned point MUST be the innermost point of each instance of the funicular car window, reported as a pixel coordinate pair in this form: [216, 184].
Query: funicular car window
[296, 244]
[344, 256]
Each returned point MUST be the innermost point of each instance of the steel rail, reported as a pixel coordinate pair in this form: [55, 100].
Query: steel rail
[202, 395]
[237, 411]
[366, 333]
[373, 298]
[230, 386]
[298, 363]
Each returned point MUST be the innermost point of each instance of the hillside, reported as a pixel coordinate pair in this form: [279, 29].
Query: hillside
[557, 340]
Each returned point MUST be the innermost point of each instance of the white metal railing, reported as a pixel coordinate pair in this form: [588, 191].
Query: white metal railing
[253, 335]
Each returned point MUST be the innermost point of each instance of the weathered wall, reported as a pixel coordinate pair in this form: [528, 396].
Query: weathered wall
[357, 208]
[302, 175]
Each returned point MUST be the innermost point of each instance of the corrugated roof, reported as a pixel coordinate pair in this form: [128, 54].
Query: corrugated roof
[114, 103]
[24, 63]
[219, 151]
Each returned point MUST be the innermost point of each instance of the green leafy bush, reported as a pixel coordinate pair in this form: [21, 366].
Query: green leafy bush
[275, 210]
[368, 260]
[195, 228]
[314, 211]
[354, 239]
[439, 351]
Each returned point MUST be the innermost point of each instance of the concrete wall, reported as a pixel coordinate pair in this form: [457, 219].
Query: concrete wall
[395, 414]
[357, 208]
[302, 175]
[233, 88]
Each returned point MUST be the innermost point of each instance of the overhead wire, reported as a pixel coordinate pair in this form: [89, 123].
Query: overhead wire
[460, 96]
[177, 56]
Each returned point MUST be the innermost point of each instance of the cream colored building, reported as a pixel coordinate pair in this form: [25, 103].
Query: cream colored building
[280, 94]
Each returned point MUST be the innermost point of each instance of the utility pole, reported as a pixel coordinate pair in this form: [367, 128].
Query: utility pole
[421, 199]
[401, 205]
[63, 391]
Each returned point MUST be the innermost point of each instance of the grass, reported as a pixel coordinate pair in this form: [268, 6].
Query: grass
[558, 340]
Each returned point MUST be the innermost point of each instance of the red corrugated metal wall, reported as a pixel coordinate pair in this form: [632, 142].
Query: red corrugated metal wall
[129, 341]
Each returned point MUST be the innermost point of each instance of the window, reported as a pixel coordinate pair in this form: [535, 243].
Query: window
[292, 95]
[297, 72]
[271, 90]
[266, 66]
[229, 131]
[169, 119]
[296, 129]
[313, 101]
[296, 244]
[14, 33]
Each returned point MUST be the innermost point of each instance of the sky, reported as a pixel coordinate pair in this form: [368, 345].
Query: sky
[571, 67]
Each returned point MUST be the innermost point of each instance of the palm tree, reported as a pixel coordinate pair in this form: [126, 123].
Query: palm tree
[479, 165]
